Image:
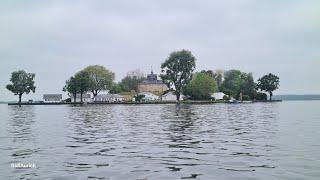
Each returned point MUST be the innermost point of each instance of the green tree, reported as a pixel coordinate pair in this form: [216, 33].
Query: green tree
[139, 98]
[269, 83]
[216, 75]
[21, 82]
[201, 87]
[100, 79]
[248, 86]
[72, 88]
[83, 83]
[261, 96]
[130, 83]
[236, 82]
[232, 83]
[177, 70]
[115, 89]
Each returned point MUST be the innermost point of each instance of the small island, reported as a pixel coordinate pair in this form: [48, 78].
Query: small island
[179, 82]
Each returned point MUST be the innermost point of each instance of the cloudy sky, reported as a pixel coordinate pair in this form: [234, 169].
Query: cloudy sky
[54, 39]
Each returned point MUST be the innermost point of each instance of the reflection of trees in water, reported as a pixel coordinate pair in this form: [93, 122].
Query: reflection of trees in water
[181, 118]
[181, 124]
[21, 123]
[90, 135]
[90, 121]
[23, 142]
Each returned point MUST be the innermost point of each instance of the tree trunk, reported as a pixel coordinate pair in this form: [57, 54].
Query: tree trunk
[81, 100]
[20, 95]
[75, 98]
[270, 94]
[178, 97]
[95, 93]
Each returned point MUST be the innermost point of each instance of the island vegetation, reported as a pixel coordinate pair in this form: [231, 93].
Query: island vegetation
[268, 83]
[99, 79]
[21, 82]
[177, 72]
[201, 87]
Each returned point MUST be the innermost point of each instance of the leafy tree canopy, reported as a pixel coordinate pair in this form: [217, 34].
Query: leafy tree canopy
[201, 87]
[115, 89]
[236, 82]
[83, 80]
[216, 75]
[72, 87]
[100, 78]
[21, 82]
[269, 83]
[232, 82]
[177, 70]
[248, 86]
[130, 83]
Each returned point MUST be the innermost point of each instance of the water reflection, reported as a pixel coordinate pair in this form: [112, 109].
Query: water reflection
[176, 136]
[221, 141]
[21, 129]
[23, 140]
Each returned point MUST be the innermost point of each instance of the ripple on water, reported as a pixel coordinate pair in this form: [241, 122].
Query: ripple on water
[220, 141]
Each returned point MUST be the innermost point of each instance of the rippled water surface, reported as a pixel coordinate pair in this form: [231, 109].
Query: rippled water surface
[221, 141]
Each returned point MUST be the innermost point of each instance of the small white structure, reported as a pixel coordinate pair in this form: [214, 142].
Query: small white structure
[218, 95]
[148, 96]
[118, 98]
[170, 96]
[52, 98]
[108, 98]
[85, 98]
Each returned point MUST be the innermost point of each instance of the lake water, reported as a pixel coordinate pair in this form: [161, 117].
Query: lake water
[220, 141]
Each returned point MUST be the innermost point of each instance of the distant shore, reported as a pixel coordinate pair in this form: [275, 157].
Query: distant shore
[141, 103]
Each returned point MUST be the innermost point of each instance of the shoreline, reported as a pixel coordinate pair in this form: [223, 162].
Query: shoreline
[141, 103]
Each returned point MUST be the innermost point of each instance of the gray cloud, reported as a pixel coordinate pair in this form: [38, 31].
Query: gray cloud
[54, 39]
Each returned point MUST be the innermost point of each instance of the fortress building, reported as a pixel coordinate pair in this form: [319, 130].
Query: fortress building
[152, 85]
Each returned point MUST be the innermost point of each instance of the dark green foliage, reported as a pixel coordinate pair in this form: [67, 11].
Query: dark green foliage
[177, 70]
[226, 98]
[237, 82]
[138, 98]
[261, 96]
[217, 76]
[115, 89]
[21, 82]
[100, 78]
[246, 98]
[269, 83]
[201, 87]
[130, 83]
[248, 86]
[72, 87]
[78, 84]
[232, 83]
[83, 82]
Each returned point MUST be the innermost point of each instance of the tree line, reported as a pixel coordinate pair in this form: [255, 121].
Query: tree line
[177, 71]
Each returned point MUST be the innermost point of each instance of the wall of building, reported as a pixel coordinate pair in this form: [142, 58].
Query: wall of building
[156, 89]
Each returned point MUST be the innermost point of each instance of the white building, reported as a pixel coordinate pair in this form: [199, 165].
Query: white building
[170, 96]
[52, 98]
[85, 98]
[218, 95]
[108, 98]
[148, 96]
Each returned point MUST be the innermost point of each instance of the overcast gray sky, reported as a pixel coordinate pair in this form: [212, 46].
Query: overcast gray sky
[54, 39]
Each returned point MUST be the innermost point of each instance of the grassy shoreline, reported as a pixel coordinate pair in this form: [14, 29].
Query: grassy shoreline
[141, 103]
